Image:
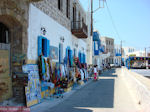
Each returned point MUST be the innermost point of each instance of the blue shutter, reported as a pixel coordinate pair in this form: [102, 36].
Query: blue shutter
[66, 57]
[66, 53]
[48, 48]
[59, 53]
[45, 47]
[70, 57]
[43, 66]
[80, 57]
[84, 58]
[39, 45]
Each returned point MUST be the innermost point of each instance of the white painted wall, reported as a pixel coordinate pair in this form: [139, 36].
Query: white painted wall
[38, 19]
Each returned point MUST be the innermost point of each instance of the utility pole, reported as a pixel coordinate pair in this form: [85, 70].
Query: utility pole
[121, 52]
[145, 56]
[91, 17]
[145, 52]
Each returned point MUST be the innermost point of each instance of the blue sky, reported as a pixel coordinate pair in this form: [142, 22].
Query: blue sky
[131, 18]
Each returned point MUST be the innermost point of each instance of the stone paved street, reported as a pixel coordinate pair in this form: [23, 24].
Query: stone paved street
[108, 94]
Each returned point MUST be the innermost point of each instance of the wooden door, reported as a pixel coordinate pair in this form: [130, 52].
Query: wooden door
[5, 76]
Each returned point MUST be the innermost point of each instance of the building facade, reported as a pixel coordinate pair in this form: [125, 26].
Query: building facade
[96, 48]
[109, 47]
[64, 22]
[30, 28]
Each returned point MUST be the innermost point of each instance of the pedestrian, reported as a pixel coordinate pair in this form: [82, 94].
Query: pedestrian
[95, 72]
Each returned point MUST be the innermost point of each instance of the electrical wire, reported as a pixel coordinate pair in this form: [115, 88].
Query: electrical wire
[113, 23]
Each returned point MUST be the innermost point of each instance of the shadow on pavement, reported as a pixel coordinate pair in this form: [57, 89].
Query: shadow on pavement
[109, 73]
[97, 94]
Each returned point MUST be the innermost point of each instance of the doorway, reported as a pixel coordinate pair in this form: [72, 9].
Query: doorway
[5, 78]
[11, 57]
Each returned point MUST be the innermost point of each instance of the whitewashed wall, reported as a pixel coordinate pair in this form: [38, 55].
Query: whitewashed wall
[38, 19]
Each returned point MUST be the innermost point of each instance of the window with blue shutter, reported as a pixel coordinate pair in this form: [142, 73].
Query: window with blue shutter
[84, 59]
[48, 48]
[43, 46]
[39, 45]
[79, 56]
[60, 52]
[71, 57]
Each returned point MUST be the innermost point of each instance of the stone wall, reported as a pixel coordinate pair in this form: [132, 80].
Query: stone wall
[50, 8]
[14, 14]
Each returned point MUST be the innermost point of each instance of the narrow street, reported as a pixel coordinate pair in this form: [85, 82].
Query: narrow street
[108, 94]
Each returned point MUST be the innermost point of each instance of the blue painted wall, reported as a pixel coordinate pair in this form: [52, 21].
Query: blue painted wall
[97, 43]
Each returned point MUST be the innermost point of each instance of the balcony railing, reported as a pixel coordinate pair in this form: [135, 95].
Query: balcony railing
[79, 29]
[34, 0]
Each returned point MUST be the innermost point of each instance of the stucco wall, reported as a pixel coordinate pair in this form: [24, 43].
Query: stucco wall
[38, 19]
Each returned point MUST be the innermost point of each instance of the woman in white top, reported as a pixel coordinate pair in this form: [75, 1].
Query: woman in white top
[95, 72]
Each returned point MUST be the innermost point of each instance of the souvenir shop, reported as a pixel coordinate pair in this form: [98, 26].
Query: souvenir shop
[137, 62]
[48, 77]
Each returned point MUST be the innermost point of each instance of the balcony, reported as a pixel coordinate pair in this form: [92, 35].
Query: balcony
[34, 0]
[79, 29]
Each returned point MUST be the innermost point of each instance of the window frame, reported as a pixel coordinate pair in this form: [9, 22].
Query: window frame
[68, 9]
[60, 5]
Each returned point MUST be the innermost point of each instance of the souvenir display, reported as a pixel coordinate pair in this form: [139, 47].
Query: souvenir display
[51, 77]
[82, 74]
[33, 89]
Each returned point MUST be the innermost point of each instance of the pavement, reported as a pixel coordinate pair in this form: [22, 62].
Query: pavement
[109, 94]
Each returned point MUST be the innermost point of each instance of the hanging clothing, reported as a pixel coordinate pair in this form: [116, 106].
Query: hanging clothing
[82, 74]
[62, 70]
[47, 72]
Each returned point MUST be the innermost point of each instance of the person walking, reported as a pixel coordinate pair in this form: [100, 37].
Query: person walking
[95, 72]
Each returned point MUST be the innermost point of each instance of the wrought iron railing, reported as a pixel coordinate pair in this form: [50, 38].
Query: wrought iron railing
[79, 25]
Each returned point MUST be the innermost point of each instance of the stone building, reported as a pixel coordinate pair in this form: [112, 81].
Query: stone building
[62, 22]
[109, 42]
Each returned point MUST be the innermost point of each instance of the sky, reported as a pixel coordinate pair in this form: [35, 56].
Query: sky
[131, 19]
